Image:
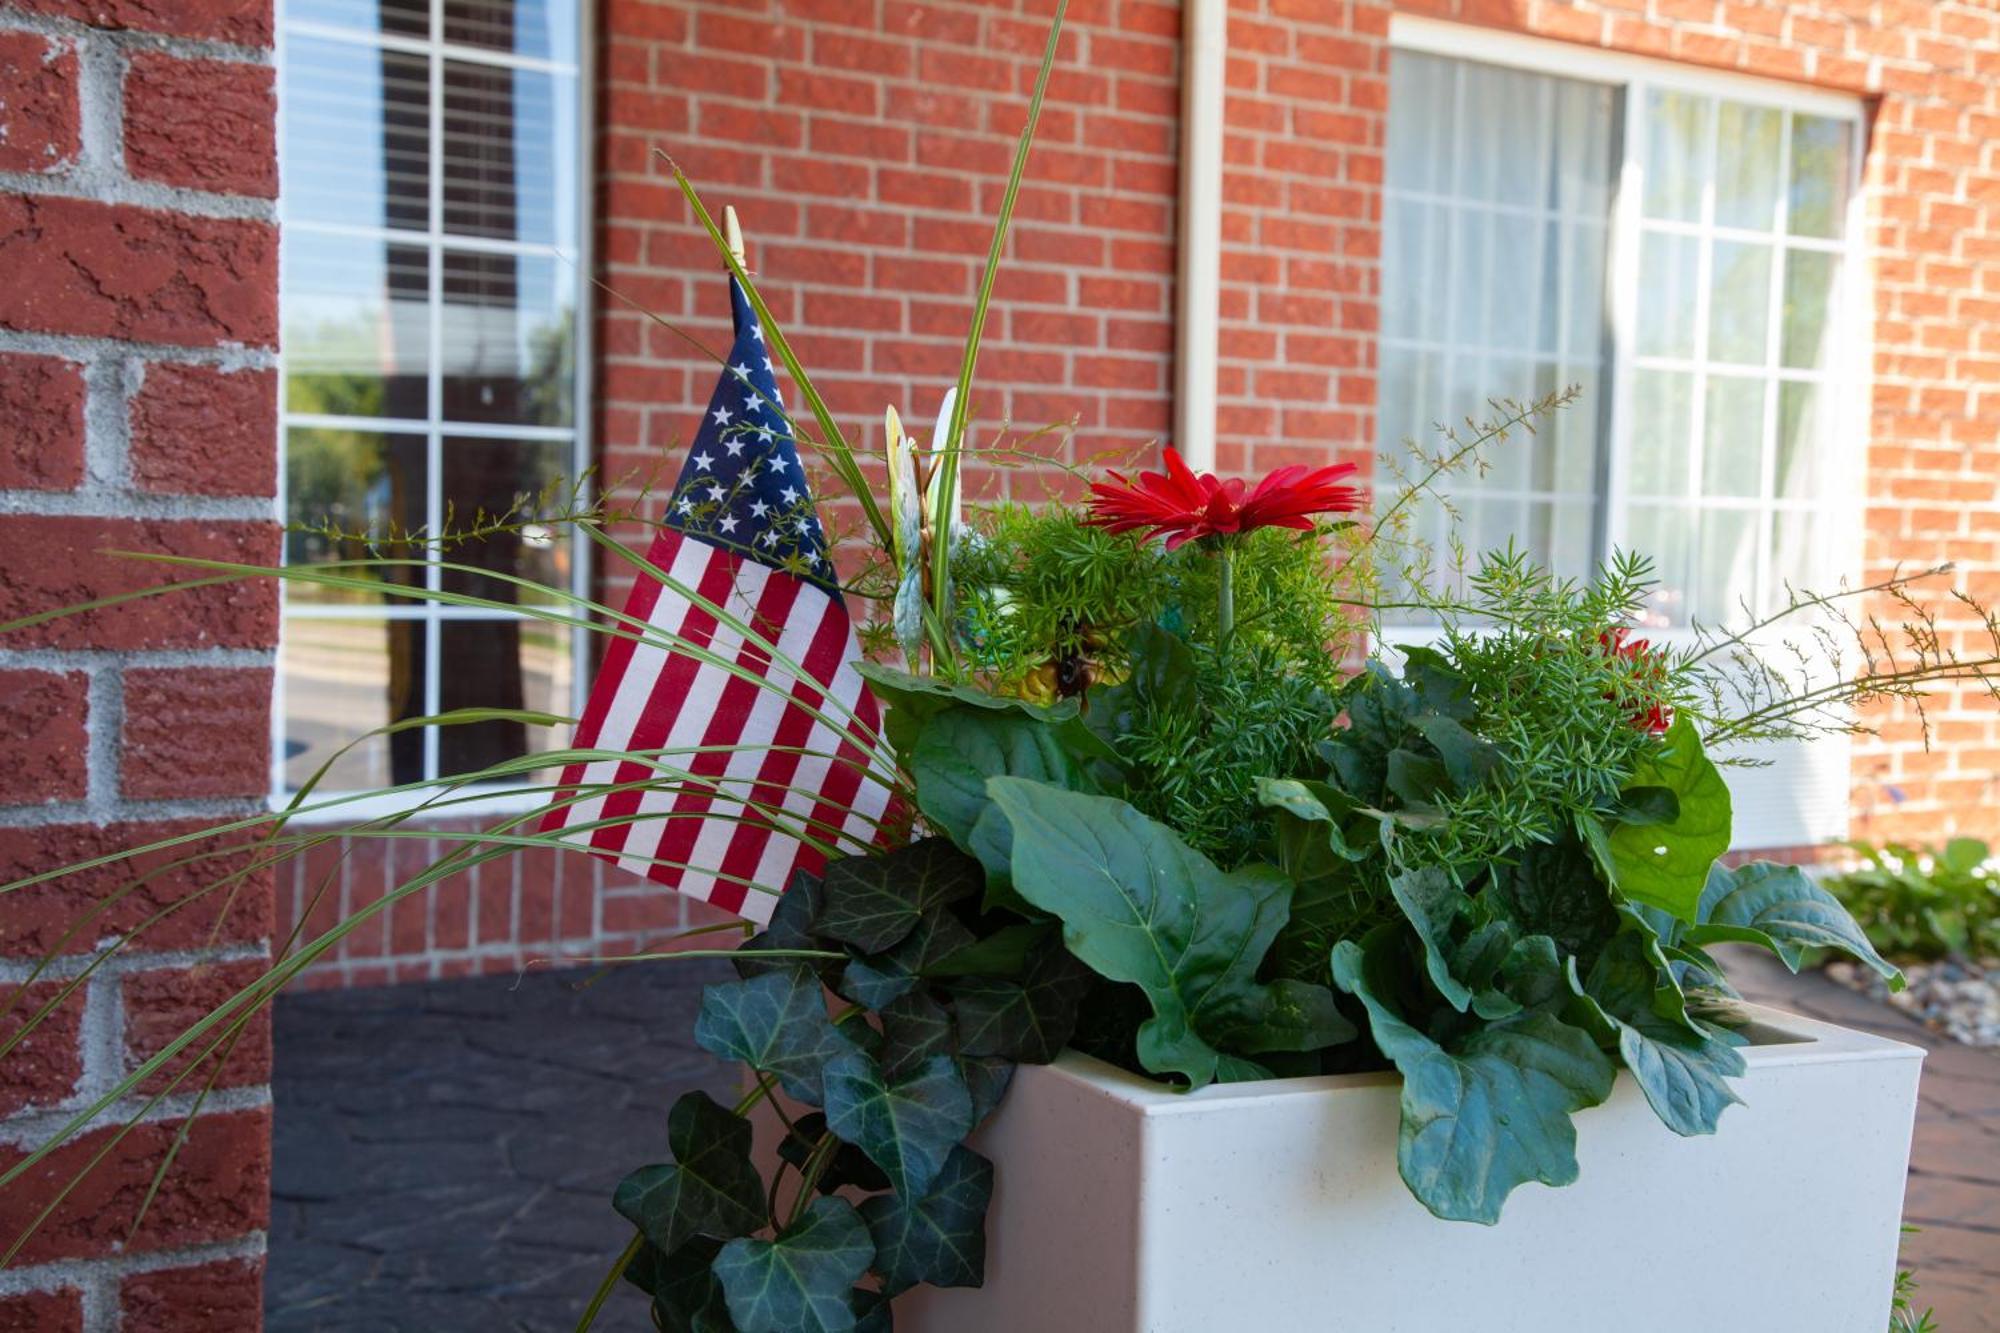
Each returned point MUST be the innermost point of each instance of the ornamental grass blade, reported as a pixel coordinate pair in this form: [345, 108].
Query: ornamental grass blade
[939, 1239]
[709, 1189]
[802, 1281]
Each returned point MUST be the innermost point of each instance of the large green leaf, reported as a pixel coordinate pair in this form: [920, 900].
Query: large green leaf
[1780, 908]
[801, 1282]
[874, 902]
[1491, 1112]
[1683, 1070]
[1553, 889]
[1139, 905]
[939, 1239]
[687, 1298]
[709, 1189]
[775, 1023]
[1666, 864]
[1433, 903]
[791, 927]
[914, 700]
[1029, 1020]
[986, 1078]
[907, 1124]
[914, 1028]
[963, 747]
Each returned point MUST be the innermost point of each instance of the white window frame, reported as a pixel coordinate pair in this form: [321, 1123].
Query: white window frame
[1804, 795]
[436, 50]
[1849, 361]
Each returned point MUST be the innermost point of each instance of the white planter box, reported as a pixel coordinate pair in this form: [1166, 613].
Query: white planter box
[1272, 1207]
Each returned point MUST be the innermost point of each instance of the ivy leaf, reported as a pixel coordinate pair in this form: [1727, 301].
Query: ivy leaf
[874, 902]
[686, 1296]
[876, 981]
[1782, 909]
[801, 1281]
[940, 1239]
[1683, 1073]
[914, 1028]
[709, 1189]
[1139, 905]
[986, 1079]
[848, 1165]
[1666, 864]
[775, 1023]
[872, 1313]
[1491, 1112]
[790, 928]
[1030, 1020]
[907, 1124]
[962, 748]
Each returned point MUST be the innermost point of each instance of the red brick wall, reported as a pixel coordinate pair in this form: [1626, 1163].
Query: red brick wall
[138, 327]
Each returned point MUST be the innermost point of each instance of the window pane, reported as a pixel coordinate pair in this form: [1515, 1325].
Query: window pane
[1662, 427]
[515, 483]
[1583, 291]
[509, 154]
[519, 664]
[1739, 303]
[405, 18]
[1669, 267]
[1666, 534]
[1821, 168]
[526, 27]
[341, 680]
[1732, 450]
[1809, 276]
[356, 326]
[1505, 129]
[1677, 154]
[1423, 89]
[357, 126]
[508, 339]
[1802, 551]
[1725, 566]
[1747, 141]
[345, 492]
[1801, 442]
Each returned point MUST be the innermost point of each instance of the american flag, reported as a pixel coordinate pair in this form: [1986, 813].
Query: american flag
[742, 533]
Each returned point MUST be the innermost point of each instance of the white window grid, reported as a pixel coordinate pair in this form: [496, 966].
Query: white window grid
[433, 427]
[1844, 376]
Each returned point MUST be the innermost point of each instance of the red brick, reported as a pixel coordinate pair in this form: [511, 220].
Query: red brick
[245, 22]
[110, 270]
[39, 126]
[45, 716]
[41, 399]
[196, 733]
[199, 431]
[217, 1189]
[125, 895]
[59, 1311]
[49, 562]
[42, 1071]
[203, 124]
[161, 1005]
[222, 1297]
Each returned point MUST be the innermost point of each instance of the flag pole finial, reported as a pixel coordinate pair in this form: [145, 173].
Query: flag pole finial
[732, 232]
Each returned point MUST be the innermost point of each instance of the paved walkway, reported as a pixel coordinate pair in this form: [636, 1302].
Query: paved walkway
[446, 1153]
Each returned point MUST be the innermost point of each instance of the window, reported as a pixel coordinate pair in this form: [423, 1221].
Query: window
[433, 237]
[1676, 244]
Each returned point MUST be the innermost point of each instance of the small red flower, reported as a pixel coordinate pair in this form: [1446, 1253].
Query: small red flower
[1655, 717]
[1188, 506]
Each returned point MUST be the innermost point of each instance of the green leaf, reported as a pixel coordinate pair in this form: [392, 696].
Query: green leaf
[908, 1124]
[848, 1166]
[790, 928]
[1468, 760]
[1666, 864]
[872, 982]
[1433, 903]
[1284, 1015]
[1030, 1020]
[872, 1313]
[1553, 889]
[1004, 953]
[1437, 684]
[709, 1189]
[1319, 811]
[801, 1281]
[1416, 779]
[1683, 1072]
[914, 1028]
[775, 1023]
[1782, 909]
[687, 1298]
[962, 748]
[1139, 905]
[940, 1239]
[914, 700]
[1639, 806]
[874, 902]
[1490, 1113]
[986, 1079]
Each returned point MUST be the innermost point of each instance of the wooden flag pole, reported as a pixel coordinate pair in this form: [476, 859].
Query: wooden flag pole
[732, 232]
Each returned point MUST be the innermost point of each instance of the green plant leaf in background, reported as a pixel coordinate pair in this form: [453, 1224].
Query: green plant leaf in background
[802, 1281]
[687, 1297]
[1029, 1020]
[1683, 1072]
[1139, 905]
[907, 1124]
[939, 1239]
[777, 1024]
[874, 902]
[1488, 1114]
[1665, 863]
[1780, 907]
[1553, 889]
[1433, 903]
[709, 1189]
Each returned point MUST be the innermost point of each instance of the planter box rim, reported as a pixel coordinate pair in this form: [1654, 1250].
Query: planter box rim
[1777, 1039]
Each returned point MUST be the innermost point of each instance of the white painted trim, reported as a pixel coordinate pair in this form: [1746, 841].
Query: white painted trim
[1204, 53]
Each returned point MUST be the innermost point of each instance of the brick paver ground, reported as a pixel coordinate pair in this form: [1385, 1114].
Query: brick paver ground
[446, 1153]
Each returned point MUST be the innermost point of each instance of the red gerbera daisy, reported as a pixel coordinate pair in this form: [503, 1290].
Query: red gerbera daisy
[1654, 717]
[1188, 506]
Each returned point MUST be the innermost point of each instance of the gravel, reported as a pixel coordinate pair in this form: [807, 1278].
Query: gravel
[1961, 1000]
